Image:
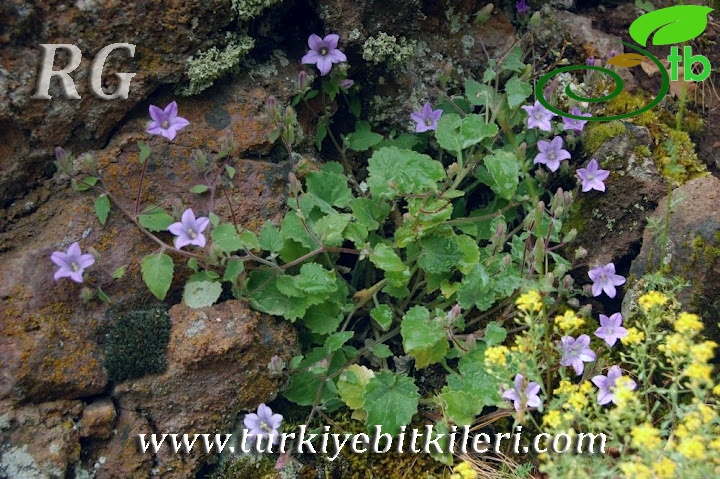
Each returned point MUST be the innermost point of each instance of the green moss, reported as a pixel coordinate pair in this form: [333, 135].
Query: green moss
[387, 49]
[260, 467]
[137, 344]
[674, 155]
[213, 64]
[247, 9]
[599, 132]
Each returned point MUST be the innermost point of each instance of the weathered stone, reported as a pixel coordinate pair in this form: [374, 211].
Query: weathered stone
[39, 441]
[165, 37]
[98, 419]
[692, 249]
[610, 223]
[214, 355]
[122, 457]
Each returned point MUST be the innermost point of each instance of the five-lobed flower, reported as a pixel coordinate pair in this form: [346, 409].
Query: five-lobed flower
[609, 385]
[611, 329]
[538, 116]
[592, 177]
[605, 279]
[426, 119]
[572, 124]
[551, 153]
[166, 122]
[188, 231]
[72, 263]
[576, 352]
[323, 52]
[524, 393]
[263, 424]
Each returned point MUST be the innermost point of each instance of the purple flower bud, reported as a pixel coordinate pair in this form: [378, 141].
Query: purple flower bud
[302, 80]
[59, 154]
[590, 61]
[271, 107]
[612, 53]
[294, 185]
[347, 83]
[276, 365]
[454, 312]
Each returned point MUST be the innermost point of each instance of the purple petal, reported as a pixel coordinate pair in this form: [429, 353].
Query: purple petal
[562, 155]
[604, 397]
[188, 218]
[177, 229]
[86, 261]
[201, 223]
[155, 129]
[77, 276]
[59, 258]
[596, 289]
[315, 42]
[171, 111]
[310, 58]
[324, 65]
[168, 133]
[336, 56]
[331, 41]
[417, 117]
[252, 421]
[74, 250]
[179, 123]
[609, 289]
[181, 241]
[157, 114]
[62, 273]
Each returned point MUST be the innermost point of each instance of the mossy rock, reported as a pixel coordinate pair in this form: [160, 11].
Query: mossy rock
[137, 344]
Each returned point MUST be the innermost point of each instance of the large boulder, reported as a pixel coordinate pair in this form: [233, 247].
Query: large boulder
[688, 244]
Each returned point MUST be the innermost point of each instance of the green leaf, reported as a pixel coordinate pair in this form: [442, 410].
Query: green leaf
[500, 173]
[119, 272]
[476, 290]
[155, 220]
[329, 229]
[201, 294]
[447, 132]
[157, 273]
[225, 237]
[439, 254]
[199, 189]
[337, 340]
[383, 316]
[249, 240]
[369, 212]
[323, 318]
[351, 387]
[233, 268]
[362, 139]
[314, 279]
[394, 172]
[390, 401]
[102, 296]
[320, 136]
[102, 208]
[474, 130]
[385, 258]
[460, 407]
[144, 152]
[85, 184]
[675, 24]
[517, 91]
[474, 379]
[455, 134]
[513, 60]
[381, 351]
[230, 171]
[423, 338]
[270, 239]
[329, 187]
[293, 229]
[265, 297]
[304, 386]
[478, 93]
[494, 334]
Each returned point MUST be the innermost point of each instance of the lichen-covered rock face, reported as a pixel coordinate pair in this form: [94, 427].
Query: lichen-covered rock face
[165, 36]
[217, 367]
[610, 223]
[692, 249]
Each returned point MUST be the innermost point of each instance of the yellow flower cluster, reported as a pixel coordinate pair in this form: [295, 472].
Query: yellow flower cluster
[703, 352]
[636, 470]
[652, 299]
[634, 336]
[665, 468]
[674, 344]
[496, 356]
[699, 372]
[552, 419]
[646, 437]
[464, 471]
[530, 301]
[688, 323]
[569, 321]
[692, 448]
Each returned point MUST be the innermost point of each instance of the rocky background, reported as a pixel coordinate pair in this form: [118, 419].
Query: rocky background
[64, 411]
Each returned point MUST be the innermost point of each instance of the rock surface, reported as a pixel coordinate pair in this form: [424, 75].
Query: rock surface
[692, 249]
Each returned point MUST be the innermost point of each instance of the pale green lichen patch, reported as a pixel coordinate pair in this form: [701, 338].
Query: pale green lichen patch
[213, 64]
[387, 49]
[247, 9]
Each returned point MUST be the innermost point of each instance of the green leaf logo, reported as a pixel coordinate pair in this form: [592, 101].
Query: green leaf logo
[673, 24]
